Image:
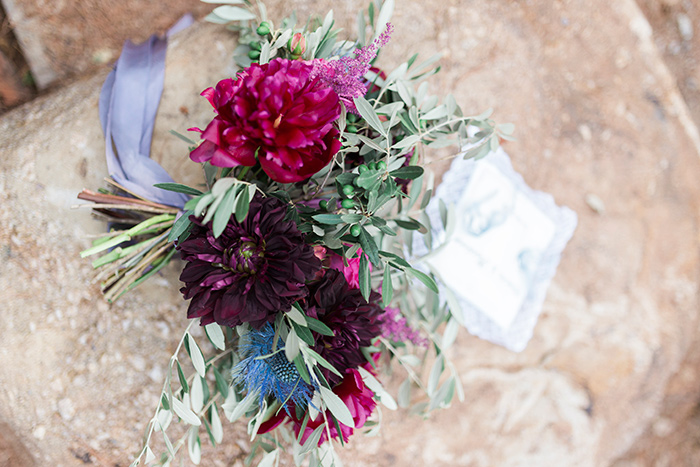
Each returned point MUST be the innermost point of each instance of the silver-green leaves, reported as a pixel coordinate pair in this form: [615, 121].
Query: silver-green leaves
[228, 197]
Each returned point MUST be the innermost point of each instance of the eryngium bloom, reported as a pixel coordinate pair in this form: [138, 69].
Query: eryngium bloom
[353, 320]
[357, 397]
[255, 269]
[266, 373]
[279, 110]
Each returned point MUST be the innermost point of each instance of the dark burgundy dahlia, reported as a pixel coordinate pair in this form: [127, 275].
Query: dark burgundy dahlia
[280, 111]
[253, 270]
[353, 320]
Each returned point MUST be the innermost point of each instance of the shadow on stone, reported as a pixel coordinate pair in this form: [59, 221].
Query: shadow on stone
[13, 453]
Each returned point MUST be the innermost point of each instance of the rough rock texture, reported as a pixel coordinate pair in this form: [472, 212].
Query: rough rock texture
[676, 25]
[12, 451]
[65, 39]
[597, 113]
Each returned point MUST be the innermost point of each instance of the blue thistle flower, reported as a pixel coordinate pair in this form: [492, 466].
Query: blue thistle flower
[268, 374]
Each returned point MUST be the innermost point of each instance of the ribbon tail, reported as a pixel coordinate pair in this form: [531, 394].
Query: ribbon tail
[128, 105]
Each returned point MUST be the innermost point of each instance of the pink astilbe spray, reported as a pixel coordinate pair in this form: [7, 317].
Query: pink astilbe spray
[395, 327]
[346, 75]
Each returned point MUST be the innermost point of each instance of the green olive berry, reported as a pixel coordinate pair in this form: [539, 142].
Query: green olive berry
[351, 129]
[362, 168]
[256, 45]
[355, 230]
[372, 166]
[323, 204]
[381, 165]
[263, 29]
[349, 190]
[254, 54]
[347, 203]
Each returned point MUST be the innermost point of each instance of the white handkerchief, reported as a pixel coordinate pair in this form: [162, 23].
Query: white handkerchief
[502, 251]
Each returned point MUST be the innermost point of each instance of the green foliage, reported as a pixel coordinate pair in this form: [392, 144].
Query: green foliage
[228, 197]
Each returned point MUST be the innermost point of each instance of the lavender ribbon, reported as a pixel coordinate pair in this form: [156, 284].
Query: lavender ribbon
[128, 103]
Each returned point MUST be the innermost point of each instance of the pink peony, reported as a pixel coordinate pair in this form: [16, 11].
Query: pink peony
[276, 112]
[351, 271]
[332, 260]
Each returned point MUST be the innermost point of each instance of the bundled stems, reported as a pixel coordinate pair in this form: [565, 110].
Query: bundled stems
[129, 256]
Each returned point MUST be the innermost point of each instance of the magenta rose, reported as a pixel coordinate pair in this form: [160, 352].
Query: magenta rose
[276, 111]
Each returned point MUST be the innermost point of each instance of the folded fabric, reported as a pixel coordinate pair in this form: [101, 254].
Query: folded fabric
[503, 250]
[128, 104]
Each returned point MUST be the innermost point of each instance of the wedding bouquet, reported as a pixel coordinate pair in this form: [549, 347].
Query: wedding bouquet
[297, 247]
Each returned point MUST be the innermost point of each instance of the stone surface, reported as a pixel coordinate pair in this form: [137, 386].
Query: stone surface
[597, 114]
[33, 46]
[676, 24]
[12, 92]
[15, 82]
[12, 452]
[65, 39]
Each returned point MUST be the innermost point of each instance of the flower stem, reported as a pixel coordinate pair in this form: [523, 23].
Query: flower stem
[166, 383]
[126, 236]
[408, 369]
[243, 173]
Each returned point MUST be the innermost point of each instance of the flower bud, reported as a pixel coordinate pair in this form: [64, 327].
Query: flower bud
[297, 44]
[263, 29]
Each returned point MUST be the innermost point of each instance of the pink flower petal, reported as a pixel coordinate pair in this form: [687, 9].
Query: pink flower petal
[280, 106]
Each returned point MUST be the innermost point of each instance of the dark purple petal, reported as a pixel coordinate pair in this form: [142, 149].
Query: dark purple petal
[353, 320]
[255, 269]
